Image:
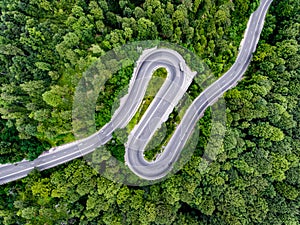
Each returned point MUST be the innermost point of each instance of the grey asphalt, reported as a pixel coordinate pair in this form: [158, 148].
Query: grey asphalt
[163, 165]
[157, 112]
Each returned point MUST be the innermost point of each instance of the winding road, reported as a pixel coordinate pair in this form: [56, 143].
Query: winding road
[177, 82]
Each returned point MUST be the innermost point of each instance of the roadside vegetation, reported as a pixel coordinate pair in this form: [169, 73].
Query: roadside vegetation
[46, 45]
[155, 83]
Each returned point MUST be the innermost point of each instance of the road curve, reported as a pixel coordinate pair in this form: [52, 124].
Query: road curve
[151, 60]
[163, 165]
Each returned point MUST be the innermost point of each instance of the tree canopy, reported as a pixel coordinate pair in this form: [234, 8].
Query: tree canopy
[45, 46]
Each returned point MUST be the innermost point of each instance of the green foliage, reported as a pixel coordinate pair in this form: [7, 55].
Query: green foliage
[46, 45]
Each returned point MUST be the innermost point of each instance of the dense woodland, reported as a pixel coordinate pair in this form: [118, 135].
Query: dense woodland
[46, 45]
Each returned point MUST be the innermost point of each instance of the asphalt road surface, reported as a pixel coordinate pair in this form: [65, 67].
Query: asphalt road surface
[162, 166]
[178, 79]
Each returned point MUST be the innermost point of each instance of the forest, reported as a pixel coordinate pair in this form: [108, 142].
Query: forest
[45, 46]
